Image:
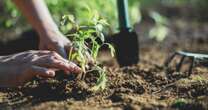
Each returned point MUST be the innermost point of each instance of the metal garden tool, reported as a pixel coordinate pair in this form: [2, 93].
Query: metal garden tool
[196, 58]
[126, 41]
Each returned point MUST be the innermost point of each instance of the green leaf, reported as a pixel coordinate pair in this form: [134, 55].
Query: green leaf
[95, 49]
[8, 23]
[70, 18]
[112, 49]
[101, 82]
[95, 17]
[74, 56]
[99, 27]
[102, 37]
[158, 18]
[103, 22]
[159, 32]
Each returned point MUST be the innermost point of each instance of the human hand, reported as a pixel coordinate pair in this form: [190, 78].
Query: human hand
[19, 68]
[55, 41]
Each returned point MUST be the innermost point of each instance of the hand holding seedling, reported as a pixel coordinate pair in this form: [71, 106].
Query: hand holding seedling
[51, 38]
[18, 68]
[55, 41]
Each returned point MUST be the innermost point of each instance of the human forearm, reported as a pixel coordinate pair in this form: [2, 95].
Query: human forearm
[50, 37]
[37, 14]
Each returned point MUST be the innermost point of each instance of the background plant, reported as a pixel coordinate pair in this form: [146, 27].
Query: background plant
[160, 30]
[106, 8]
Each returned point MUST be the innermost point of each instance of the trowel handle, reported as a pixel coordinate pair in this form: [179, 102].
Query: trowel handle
[123, 14]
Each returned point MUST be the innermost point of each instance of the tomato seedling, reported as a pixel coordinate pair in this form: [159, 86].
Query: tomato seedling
[85, 44]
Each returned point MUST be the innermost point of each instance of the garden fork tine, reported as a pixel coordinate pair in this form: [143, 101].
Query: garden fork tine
[193, 56]
[178, 66]
[191, 66]
[167, 62]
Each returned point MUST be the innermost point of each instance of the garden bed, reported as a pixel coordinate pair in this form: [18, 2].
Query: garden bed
[144, 86]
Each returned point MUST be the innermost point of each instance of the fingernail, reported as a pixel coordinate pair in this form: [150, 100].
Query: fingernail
[74, 67]
[51, 73]
[77, 69]
[67, 72]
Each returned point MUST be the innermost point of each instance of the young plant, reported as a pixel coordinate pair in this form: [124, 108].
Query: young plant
[85, 44]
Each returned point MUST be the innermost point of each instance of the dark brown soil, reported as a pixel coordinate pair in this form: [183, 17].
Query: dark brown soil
[146, 86]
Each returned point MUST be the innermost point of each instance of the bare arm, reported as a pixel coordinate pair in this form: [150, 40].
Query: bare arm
[39, 17]
[37, 13]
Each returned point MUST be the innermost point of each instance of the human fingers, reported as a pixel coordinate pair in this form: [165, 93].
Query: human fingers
[42, 71]
[60, 64]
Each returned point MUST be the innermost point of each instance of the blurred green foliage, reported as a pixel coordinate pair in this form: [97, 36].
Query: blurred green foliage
[11, 17]
[160, 30]
[10, 14]
[106, 8]
[193, 3]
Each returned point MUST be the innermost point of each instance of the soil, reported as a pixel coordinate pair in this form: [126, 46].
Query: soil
[145, 86]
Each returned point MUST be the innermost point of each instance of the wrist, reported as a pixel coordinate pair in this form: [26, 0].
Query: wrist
[48, 32]
[47, 29]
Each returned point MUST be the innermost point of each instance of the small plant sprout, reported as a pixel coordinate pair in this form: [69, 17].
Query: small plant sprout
[85, 44]
[101, 82]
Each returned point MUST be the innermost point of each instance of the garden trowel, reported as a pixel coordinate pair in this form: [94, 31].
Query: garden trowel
[126, 41]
